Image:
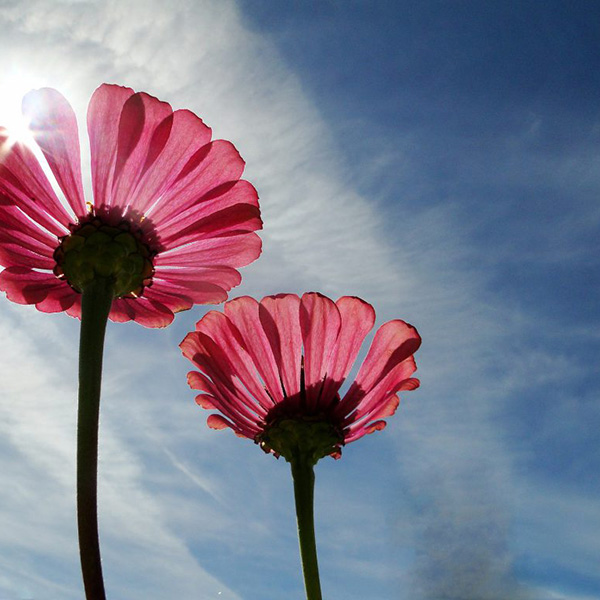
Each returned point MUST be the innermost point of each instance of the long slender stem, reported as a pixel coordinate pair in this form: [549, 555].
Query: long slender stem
[95, 305]
[304, 485]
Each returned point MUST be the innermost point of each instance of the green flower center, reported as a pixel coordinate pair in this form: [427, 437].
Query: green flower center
[95, 249]
[294, 438]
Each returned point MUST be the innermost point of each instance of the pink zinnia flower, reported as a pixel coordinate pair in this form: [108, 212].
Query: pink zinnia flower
[188, 218]
[274, 370]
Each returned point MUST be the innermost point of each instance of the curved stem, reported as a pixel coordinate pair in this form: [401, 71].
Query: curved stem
[95, 305]
[304, 485]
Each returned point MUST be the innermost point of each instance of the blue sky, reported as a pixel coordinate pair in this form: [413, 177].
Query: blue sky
[438, 159]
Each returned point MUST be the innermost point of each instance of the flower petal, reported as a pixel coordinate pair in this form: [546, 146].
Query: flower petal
[320, 324]
[103, 120]
[211, 166]
[24, 286]
[137, 143]
[232, 251]
[54, 127]
[225, 335]
[243, 312]
[358, 318]
[279, 316]
[24, 184]
[174, 141]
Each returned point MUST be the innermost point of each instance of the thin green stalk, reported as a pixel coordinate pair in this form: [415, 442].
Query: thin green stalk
[95, 305]
[304, 485]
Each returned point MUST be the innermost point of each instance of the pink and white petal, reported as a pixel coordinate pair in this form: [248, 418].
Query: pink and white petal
[320, 325]
[224, 333]
[174, 142]
[103, 127]
[243, 312]
[220, 198]
[358, 318]
[214, 164]
[136, 143]
[54, 128]
[24, 286]
[280, 319]
[24, 182]
[232, 251]
[59, 299]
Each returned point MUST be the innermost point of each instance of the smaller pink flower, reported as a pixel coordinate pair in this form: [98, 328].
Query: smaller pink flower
[274, 370]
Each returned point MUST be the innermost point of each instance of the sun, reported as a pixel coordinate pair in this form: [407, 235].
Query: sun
[14, 86]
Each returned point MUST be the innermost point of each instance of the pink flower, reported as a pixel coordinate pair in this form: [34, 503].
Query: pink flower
[156, 175]
[272, 366]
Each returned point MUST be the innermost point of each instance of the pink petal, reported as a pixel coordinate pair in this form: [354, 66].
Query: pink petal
[219, 199]
[136, 143]
[243, 312]
[176, 139]
[54, 127]
[240, 218]
[395, 380]
[358, 319]
[280, 318]
[232, 251]
[13, 218]
[25, 286]
[103, 119]
[230, 396]
[214, 164]
[219, 422]
[201, 293]
[226, 336]
[393, 343]
[320, 324]
[175, 302]
[59, 299]
[144, 311]
[23, 181]
[13, 254]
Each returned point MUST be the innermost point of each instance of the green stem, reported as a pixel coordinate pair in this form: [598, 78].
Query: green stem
[95, 305]
[304, 485]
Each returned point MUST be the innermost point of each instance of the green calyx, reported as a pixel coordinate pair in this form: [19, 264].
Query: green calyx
[95, 250]
[304, 439]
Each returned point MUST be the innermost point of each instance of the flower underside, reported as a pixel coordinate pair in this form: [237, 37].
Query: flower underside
[307, 438]
[95, 249]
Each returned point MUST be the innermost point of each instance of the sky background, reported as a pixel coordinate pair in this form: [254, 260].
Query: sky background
[441, 160]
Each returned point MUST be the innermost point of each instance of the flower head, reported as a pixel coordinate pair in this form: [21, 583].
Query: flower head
[274, 370]
[170, 223]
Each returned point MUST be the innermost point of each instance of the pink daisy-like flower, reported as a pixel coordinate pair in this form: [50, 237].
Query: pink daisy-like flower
[274, 370]
[171, 220]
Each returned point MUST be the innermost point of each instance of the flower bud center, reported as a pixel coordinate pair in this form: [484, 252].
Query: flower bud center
[306, 438]
[95, 249]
